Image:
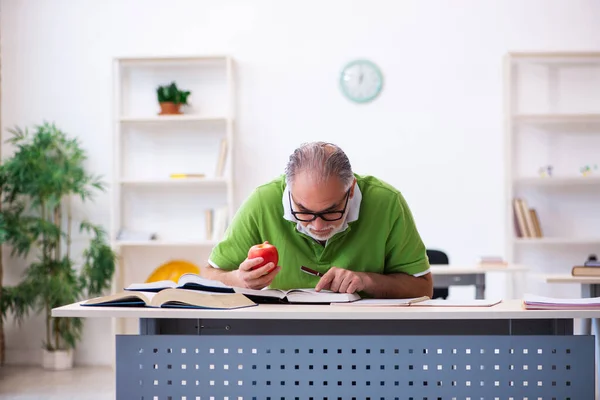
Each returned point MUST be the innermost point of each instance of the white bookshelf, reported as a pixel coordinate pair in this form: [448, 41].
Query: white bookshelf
[552, 117]
[149, 148]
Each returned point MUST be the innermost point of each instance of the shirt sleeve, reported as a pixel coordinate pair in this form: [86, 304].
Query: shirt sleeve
[405, 251]
[241, 234]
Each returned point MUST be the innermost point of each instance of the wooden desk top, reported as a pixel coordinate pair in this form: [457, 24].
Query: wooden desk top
[508, 309]
[475, 269]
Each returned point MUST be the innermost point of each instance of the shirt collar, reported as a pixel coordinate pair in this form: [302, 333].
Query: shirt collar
[353, 205]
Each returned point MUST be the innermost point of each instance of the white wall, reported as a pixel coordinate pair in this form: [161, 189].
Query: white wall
[436, 132]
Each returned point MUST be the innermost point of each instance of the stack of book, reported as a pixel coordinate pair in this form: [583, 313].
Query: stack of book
[534, 302]
[527, 222]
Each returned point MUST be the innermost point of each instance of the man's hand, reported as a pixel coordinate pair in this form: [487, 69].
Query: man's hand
[255, 279]
[341, 280]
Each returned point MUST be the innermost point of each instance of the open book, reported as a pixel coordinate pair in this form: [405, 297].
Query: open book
[534, 302]
[173, 298]
[194, 282]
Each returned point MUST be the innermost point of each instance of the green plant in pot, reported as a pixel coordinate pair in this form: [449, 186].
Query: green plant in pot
[170, 99]
[40, 184]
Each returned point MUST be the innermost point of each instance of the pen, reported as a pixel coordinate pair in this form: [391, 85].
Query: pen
[310, 271]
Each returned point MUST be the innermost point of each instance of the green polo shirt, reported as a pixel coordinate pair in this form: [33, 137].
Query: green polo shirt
[381, 235]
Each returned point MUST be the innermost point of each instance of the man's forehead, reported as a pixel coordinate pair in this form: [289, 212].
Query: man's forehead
[313, 181]
[317, 198]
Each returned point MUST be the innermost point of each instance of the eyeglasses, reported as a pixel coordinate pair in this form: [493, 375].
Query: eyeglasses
[306, 216]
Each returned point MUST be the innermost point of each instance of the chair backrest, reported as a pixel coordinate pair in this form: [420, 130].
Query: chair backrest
[438, 257]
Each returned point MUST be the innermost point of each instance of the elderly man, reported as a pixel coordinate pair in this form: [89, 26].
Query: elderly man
[355, 230]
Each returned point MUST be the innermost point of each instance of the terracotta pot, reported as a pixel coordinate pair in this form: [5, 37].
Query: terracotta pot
[57, 360]
[169, 108]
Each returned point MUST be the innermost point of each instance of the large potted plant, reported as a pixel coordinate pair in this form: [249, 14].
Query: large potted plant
[170, 99]
[39, 183]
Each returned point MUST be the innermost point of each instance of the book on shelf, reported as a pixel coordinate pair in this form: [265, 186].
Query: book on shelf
[191, 281]
[535, 302]
[185, 176]
[222, 158]
[526, 220]
[423, 301]
[208, 223]
[173, 298]
[215, 223]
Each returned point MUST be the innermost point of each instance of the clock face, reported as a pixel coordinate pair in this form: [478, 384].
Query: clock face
[361, 81]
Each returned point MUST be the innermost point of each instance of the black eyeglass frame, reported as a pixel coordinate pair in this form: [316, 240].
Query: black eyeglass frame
[319, 214]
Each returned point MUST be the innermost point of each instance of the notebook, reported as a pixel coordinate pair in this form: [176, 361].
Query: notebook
[459, 303]
[173, 298]
[534, 302]
[191, 281]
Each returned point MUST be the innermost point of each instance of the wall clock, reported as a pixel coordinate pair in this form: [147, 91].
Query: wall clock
[361, 81]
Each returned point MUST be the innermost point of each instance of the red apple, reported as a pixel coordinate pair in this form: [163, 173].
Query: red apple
[265, 250]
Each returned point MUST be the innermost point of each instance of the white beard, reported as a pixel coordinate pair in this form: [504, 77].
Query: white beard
[327, 236]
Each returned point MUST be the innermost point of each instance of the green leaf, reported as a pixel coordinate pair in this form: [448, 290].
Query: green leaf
[171, 93]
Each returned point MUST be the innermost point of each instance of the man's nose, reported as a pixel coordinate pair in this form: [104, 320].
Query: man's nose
[319, 224]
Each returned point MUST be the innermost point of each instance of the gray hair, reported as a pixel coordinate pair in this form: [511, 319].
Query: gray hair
[322, 160]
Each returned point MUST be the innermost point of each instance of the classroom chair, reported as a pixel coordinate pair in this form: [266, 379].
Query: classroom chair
[438, 257]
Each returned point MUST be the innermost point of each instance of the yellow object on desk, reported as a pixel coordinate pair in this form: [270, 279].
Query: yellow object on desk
[172, 270]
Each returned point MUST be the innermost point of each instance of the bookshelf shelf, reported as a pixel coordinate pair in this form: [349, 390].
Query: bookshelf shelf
[157, 119]
[557, 118]
[558, 181]
[563, 124]
[165, 243]
[552, 133]
[557, 241]
[176, 182]
[169, 61]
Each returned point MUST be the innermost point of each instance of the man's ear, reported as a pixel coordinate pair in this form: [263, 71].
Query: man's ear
[352, 188]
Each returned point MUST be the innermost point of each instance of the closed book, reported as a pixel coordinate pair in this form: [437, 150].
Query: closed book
[585, 271]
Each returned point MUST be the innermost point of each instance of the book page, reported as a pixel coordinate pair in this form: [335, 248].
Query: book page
[123, 298]
[181, 298]
[197, 280]
[307, 290]
[324, 296]
[274, 293]
[154, 286]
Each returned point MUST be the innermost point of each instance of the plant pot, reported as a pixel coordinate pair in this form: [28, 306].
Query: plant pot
[57, 360]
[169, 108]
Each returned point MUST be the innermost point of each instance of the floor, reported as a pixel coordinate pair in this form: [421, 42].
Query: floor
[80, 383]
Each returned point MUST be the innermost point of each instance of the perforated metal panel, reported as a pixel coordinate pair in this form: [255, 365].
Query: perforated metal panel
[182, 367]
